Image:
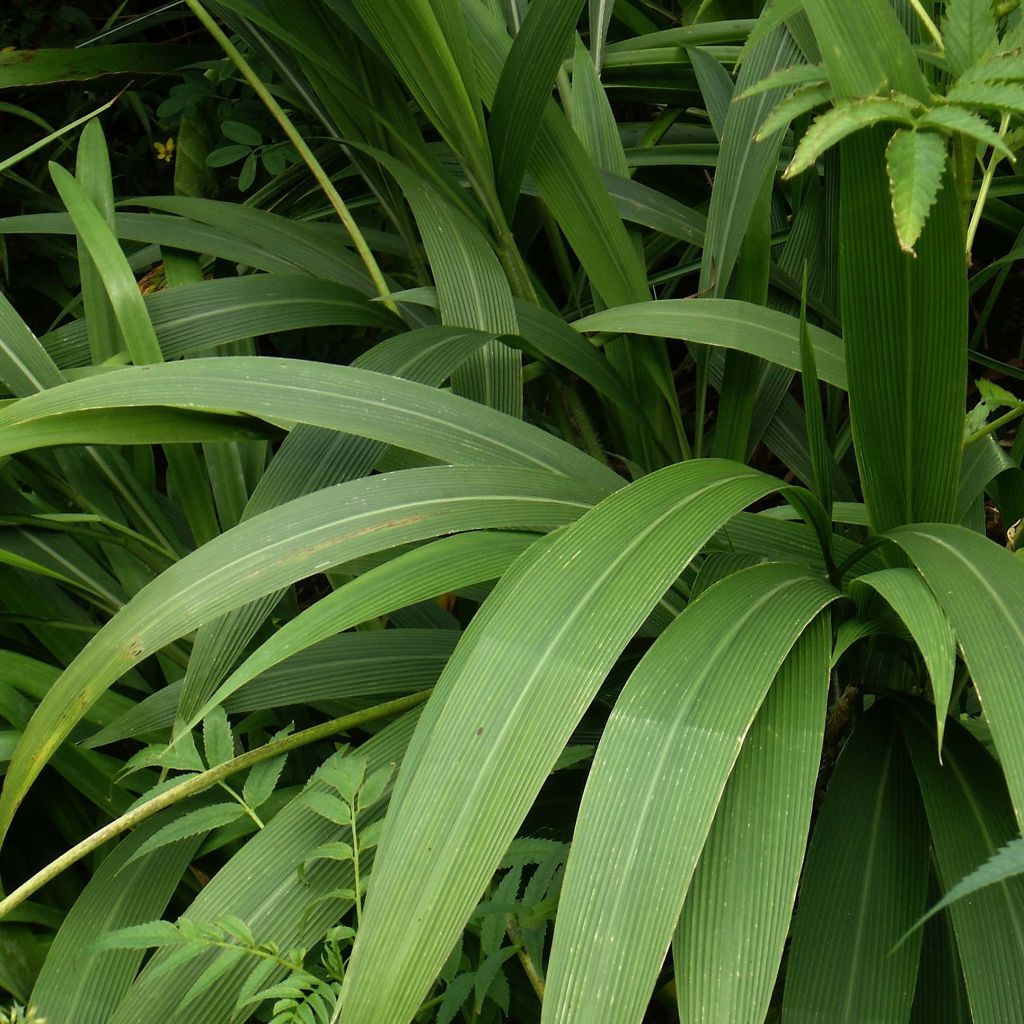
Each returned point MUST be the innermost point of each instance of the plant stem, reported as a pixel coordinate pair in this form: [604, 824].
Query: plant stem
[310, 160]
[929, 25]
[986, 184]
[198, 783]
[1000, 421]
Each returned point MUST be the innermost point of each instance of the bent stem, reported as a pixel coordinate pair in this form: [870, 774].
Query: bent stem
[310, 160]
[198, 783]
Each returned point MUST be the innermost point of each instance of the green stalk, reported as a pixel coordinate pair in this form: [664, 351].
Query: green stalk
[986, 184]
[310, 160]
[202, 781]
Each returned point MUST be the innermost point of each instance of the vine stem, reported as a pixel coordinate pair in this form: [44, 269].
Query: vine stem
[308, 157]
[198, 783]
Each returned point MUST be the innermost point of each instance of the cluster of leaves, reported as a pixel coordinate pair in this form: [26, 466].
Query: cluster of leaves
[691, 623]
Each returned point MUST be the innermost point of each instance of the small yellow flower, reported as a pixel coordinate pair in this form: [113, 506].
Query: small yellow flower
[164, 150]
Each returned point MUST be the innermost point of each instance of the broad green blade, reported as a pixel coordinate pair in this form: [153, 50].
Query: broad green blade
[905, 328]
[343, 398]
[425, 572]
[92, 171]
[911, 599]
[472, 291]
[658, 775]
[970, 817]
[734, 924]
[311, 458]
[25, 367]
[1006, 862]
[863, 885]
[19, 68]
[421, 45]
[941, 997]
[864, 48]
[980, 587]
[726, 323]
[345, 672]
[566, 178]
[274, 549]
[744, 166]
[526, 669]
[112, 268]
[524, 90]
[196, 317]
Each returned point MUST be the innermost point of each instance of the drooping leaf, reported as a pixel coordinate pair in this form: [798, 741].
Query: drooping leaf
[915, 161]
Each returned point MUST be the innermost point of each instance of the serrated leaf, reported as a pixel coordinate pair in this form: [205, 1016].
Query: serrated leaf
[192, 823]
[329, 806]
[997, 96]
[956, 119]
[262, 779]
[1006, 862]
[797, 75]
[218, 741]
[800, 102]
[346, 775]
[914, 161]
[373, 788]
[143, 936]
[369, 835]
[996, 397]
[969, 32]
[843, 120]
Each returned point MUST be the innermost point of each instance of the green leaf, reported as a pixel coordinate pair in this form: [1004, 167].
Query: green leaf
[262, 780]
[596, 583]
[865, 48]
[81, 980]
[342, 398]
[1007, 862]
[227, 155]
[910, 598]
[728, 323]
[969, 33]
[915, 162]
[152, 934]
[801, 102]
[112, 266]
[524, 90]
[218, 741]
[863, 885]
[734, 923]
[905, 328]
[625, 882]
[970, 817]
[191, 823]
[19, 68]
[980, 586]
[954, 119]
[276, 548]
[843, 120]
[245, 134]
[996, 96]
